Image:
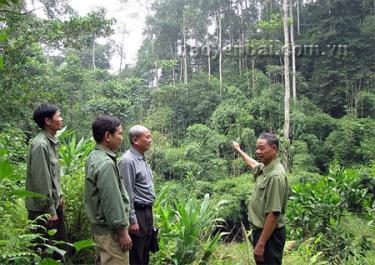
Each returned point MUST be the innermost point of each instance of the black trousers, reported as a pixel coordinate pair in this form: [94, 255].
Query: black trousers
[140, 252]
[59, 226]
[273, 251]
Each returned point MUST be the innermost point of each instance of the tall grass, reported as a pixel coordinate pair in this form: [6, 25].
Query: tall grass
[188, 229]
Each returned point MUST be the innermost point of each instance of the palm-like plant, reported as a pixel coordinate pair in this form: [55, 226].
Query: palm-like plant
[73, 153]
[188, 230]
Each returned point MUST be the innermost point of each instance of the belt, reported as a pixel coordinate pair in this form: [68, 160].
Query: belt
[255, 229]
[138, 205]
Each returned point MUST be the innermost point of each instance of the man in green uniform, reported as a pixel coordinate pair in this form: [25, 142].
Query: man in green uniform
[106, 200]
[43, 173]
[268, 201]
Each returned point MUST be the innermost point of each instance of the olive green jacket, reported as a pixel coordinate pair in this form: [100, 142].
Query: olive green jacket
[43, 174]
[106, 200]
[270, 194]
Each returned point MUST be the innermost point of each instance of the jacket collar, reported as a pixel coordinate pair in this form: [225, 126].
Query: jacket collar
[136, 153]
[271, 165]
[110, 153]
[50, 137]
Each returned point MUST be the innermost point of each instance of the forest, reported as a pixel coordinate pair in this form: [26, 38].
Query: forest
[208, 72]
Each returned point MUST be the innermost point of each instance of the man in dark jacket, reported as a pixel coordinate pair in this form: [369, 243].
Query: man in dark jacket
[43, 173]
[106, 200]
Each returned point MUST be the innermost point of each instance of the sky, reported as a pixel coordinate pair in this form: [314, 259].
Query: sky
[129, 14]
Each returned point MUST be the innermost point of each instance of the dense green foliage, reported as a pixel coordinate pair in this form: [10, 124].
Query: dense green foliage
[196, 98]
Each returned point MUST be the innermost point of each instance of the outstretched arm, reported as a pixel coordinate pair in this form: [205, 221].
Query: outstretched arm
[248, 160]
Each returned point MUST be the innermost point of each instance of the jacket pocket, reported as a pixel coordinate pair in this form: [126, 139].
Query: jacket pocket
[260, 190]
[54, 168]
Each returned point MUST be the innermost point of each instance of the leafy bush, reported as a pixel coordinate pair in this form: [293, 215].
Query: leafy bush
[14, 140]
[199, 156]
[317, 207]
[73, 156]
[73, 153]
[302, 159]
[236, 192]
[352, 141]
[306, 253]
[186, 230]
[185, 104]
[16, 231]
[16, 236]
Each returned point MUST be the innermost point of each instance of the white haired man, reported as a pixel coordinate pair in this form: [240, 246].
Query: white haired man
[138, 181]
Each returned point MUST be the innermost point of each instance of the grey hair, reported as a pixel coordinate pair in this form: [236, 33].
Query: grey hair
[271, 139]
[136, 131]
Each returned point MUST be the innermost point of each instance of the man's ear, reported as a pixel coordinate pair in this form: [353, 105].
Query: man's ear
[107, 136]
[274, 147]
[47, 121]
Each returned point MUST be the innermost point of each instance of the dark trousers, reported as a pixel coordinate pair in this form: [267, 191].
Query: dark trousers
[140, 252]
[59, 226]
[273, 251]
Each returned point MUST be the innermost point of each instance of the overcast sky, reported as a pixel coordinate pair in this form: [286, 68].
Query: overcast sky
[130, 14]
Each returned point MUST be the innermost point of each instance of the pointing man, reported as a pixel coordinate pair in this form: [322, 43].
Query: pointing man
[268, 201]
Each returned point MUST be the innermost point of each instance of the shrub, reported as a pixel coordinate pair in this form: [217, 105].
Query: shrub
[352, 141]
[14, 141]
[73, 153]
[73, 156]
[186, 230]
[317, 207]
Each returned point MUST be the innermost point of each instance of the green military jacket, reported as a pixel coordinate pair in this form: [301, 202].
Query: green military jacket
[106, 200]
[43, 174]
[270, 194]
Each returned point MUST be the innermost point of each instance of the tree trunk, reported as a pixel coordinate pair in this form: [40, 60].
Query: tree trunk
[184, 53]
[173, 70]
[209, 60]
[93, 52]
[220, 57]
[156, 77]
[253, 77]
[122, 51]
[294, 85]
[181, 69]
[287, 82]
[242, 37]
[156, 74]
[121, 55]
[208, 51]
[298, 19]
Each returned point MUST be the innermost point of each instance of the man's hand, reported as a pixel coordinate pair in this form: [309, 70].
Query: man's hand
[258, 253]
[236, 145]
[62, 203]
[124, 240]
[134, 229]
[52, 220]
[268, 228]
[248, 160]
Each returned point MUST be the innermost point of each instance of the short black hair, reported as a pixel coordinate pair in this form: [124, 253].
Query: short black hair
[44, 111]
[271, 139]
[103, 124]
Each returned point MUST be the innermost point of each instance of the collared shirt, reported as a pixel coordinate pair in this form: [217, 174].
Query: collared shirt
[137, 177]
[270, 194]
[106, 200]
[43, 174]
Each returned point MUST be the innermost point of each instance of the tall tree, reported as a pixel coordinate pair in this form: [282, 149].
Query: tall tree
[294, 85]
[287, 81]
[220, 47]
[184, 49]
